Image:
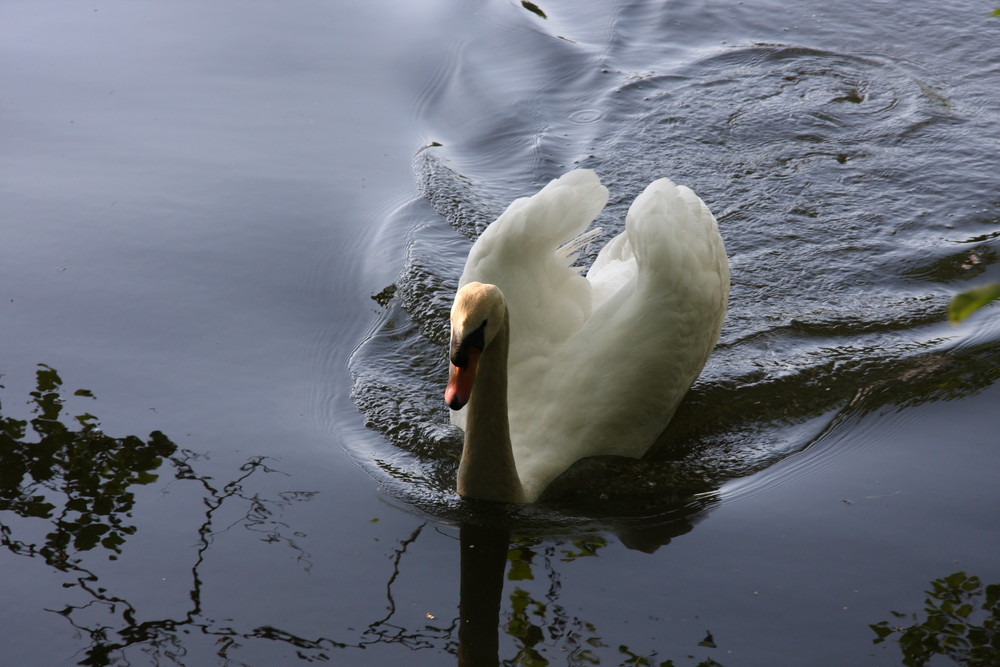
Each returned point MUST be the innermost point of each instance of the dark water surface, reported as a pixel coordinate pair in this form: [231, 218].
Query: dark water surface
[238, 228]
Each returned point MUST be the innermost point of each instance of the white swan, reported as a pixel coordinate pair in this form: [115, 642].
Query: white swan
[552, 366]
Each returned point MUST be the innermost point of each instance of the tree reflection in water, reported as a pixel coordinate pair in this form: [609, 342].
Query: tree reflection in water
[62, 475]
[79, 479]
[70, 474]
[962, 623]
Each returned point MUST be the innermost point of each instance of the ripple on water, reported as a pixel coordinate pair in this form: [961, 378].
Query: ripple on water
[586, 116]
[847, 188]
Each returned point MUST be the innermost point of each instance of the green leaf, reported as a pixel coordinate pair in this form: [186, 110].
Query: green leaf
[965, 303]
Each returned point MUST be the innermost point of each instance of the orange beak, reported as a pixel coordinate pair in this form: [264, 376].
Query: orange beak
[460, 381]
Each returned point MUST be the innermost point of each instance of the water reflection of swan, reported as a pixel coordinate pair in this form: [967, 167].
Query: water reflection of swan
[551, 366]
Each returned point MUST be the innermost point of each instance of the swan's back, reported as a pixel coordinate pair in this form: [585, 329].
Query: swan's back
[598, 364]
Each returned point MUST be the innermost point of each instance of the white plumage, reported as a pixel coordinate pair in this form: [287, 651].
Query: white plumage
[598, 363]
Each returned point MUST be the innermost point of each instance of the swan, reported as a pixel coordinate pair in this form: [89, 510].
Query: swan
[548, 366]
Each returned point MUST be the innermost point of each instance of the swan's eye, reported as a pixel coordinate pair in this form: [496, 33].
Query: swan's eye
[460, 348]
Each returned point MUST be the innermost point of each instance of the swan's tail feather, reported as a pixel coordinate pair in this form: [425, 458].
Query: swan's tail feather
[672, 233]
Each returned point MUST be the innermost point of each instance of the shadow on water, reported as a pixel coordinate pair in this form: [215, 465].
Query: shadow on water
[490, 549]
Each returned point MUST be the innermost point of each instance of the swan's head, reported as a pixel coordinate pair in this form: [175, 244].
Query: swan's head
[477, 316]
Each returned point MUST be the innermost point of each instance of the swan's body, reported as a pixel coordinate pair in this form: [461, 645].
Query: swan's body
[555, 366]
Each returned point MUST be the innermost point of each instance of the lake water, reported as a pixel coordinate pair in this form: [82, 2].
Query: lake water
[231, 234]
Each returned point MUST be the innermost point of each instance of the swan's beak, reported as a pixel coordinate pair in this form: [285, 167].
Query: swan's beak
[460, 380]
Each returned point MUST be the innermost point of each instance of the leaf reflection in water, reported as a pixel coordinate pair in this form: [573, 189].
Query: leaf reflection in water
[962, 623]
[78, 479]
[537, 625]
[81, 481]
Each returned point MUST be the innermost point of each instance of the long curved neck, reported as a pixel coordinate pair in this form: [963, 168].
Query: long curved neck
[487, 469]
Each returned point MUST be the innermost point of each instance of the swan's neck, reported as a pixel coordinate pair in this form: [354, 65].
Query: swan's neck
[487, 469]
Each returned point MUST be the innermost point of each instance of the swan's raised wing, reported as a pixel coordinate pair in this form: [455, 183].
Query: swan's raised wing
[670, 236]
[528, 252]
[660, 295]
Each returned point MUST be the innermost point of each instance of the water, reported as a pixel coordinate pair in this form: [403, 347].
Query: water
[826, 170]
[241, 226]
